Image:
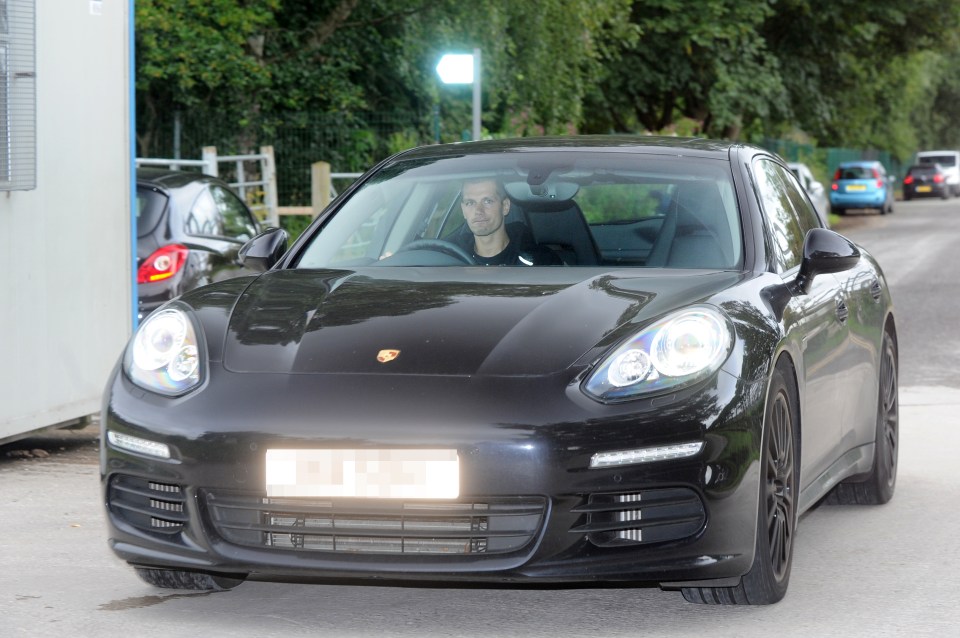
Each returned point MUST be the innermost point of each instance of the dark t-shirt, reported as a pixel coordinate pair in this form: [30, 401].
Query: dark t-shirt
[521, 251]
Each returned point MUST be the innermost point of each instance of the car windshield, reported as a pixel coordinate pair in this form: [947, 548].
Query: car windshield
[924, 170]
[582, 208]
[943, 160]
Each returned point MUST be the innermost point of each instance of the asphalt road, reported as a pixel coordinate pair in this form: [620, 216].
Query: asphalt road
[858, 571]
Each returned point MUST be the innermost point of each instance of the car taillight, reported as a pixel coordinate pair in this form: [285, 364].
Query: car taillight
[164, 263]
[938, 178]
[836, 176]
[879, 183]
[834, 186]
[908, 179]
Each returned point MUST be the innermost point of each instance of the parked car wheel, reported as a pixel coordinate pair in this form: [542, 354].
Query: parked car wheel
[767, 580]
[176, 579]
[879, 485]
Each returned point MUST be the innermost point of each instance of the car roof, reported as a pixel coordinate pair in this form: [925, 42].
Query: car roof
[698, 147]
[167, 178]
[860, 163]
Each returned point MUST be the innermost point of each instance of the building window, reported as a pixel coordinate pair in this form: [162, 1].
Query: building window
[18, 95]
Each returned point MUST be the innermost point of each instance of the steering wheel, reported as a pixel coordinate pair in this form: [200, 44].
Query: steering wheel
[440, 246]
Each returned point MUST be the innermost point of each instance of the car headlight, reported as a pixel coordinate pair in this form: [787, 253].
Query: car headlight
[677, 350]
[165, 355]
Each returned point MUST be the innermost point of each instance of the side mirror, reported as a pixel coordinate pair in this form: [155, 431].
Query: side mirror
[824, 251]
[264, 250]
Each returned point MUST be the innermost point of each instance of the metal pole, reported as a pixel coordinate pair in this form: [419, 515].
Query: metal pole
[177, 129]
[476, 94]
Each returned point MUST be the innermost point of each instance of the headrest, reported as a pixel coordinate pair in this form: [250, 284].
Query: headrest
[699, 203]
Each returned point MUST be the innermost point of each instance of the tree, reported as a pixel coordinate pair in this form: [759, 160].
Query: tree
[198, 53]
[851, 68]
[700, 59]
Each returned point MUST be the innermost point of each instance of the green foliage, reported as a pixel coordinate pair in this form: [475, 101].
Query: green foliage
[883, 74]
[295, 225]
[192, 49]
[614, 203]
[700, 59]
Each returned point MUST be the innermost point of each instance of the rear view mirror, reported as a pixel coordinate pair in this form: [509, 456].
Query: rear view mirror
[264, 250]
[824, 251]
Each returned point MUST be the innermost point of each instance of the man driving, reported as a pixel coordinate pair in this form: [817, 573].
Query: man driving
[485, 206]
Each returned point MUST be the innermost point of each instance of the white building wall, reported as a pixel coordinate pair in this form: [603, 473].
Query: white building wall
[65, 247]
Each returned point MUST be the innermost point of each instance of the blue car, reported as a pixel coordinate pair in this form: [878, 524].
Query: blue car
[861, 185]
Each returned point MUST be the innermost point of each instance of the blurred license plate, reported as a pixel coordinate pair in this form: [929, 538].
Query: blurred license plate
[924, 189]
[856, 187]
[363, 473]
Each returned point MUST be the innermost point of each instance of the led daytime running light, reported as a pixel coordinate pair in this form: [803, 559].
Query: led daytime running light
[137, 445]
[645, 455]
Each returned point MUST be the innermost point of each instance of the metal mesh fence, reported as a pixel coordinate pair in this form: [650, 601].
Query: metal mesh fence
[823, 162]
[353, 142]
[350, 143]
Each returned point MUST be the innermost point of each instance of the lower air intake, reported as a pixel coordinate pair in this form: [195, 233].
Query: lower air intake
[488, 526]
[646, 516]
[147, 505]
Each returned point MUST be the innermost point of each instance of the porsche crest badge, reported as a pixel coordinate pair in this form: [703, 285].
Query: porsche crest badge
[386, 356]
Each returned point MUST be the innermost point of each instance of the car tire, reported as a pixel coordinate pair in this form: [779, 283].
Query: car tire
[769, 576]
[176, 579]
[879, 485]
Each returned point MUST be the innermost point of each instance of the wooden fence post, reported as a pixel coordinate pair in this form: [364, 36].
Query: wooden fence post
[270, 186]
[320, 186]
[209, 156]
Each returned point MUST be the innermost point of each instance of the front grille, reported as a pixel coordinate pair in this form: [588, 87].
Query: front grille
[643, 517]
[482, 526]
[147, 505]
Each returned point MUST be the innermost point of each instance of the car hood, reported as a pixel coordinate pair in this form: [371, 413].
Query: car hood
[481, 321]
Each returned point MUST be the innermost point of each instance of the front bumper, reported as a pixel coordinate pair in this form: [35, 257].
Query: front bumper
[530, 507]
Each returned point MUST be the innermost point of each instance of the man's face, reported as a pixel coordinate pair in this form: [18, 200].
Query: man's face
[483, 208]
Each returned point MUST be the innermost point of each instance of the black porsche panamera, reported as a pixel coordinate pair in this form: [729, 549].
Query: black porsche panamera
[674, 362]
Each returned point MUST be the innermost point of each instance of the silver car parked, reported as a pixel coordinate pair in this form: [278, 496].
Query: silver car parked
[814, 189]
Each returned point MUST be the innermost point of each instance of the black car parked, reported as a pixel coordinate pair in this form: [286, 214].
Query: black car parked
[928, 180]
[189, 229]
